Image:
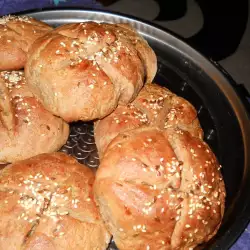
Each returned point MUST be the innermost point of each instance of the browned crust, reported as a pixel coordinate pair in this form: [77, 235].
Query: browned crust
[46, 202]
[26, 128]
[83, 71]
[161, 189]
[154, 106]
[16, 36]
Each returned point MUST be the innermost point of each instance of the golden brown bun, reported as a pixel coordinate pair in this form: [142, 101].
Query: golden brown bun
[82, 71]
[16, 36]
[46, 202]
[154, 106]
[159, 189]
[26, 128]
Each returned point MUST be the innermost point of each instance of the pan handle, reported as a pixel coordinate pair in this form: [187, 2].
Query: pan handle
[239, 88]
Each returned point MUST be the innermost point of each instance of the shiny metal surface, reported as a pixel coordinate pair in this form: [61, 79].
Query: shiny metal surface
[81, 144]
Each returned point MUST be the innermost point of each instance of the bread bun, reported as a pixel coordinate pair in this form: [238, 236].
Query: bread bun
[26, 128]
[154, 106]
[47, 203]
[17, 33]
[159, 189]
[82, 71]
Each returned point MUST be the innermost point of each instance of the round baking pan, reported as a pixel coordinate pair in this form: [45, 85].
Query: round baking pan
[221, 104]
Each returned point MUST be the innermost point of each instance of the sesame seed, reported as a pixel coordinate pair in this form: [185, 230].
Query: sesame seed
[204, 222]
[63, 44]
[148, 203]
[216, 194]
[91, 86]
[178, 175]
[187, 226]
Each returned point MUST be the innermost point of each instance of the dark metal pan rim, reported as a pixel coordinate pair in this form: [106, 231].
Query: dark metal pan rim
[222, 79]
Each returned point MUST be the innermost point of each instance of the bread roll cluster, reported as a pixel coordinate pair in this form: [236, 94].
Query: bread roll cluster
[158, 185]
